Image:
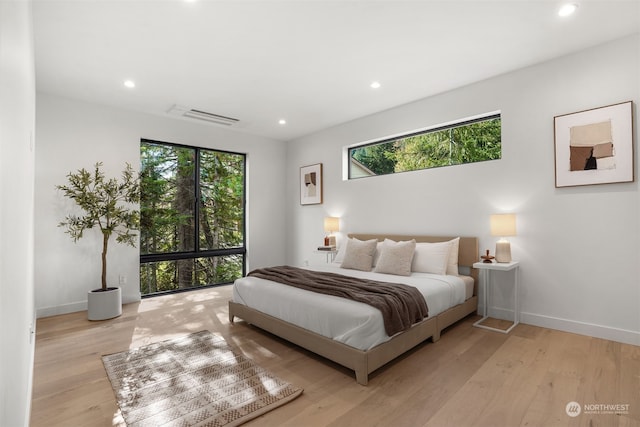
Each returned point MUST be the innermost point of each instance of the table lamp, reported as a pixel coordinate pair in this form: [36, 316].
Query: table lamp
[331, 225]
[503, 225]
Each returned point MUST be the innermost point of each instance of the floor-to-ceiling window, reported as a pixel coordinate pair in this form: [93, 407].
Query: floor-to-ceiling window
[192, 217]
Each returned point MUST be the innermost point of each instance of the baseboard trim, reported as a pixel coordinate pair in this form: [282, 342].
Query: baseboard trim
[501, 313]
[582, 328]
[61, 309]
[73, 307]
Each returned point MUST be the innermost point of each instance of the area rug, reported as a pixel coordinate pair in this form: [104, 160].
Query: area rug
[196, 380]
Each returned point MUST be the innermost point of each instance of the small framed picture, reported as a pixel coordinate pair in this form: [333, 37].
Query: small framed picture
[594, 146]
[311, 184]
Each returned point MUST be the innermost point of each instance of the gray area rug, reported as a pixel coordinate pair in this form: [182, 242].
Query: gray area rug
[196, 380]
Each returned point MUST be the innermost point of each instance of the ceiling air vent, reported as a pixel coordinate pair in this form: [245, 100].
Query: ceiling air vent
[179, 110]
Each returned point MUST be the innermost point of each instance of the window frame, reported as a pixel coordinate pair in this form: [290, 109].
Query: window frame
[197, 252]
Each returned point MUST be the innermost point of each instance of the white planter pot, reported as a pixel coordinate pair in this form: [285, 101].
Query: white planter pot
[102, 305]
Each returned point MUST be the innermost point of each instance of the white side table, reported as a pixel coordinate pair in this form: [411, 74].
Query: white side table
[330, 254]
[485, 269]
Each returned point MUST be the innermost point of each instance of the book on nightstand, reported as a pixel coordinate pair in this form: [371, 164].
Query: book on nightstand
[326, 248]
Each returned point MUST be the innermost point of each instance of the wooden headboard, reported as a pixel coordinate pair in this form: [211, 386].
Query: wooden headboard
[468, 252]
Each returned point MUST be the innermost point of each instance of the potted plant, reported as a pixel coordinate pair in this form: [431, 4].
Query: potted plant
[106, 204]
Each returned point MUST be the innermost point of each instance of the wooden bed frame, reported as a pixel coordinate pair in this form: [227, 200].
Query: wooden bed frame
[361, 361]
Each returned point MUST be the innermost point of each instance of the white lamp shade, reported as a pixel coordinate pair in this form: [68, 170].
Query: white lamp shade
[331, 224]
[503, 225]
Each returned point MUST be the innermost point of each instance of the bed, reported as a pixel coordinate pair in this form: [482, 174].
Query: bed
[344, 347]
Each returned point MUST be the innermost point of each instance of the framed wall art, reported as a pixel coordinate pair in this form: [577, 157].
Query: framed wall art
[311, 184]
[594, 146]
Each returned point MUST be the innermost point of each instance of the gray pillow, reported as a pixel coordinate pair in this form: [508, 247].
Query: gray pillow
[395, 257]
[359, 254]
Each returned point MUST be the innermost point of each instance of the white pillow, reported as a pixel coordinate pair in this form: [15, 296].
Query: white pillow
[342, 249]
[431, 257]
[340, 255]
[359, 254]
[395, 257]
[452, 266]
[376, 254]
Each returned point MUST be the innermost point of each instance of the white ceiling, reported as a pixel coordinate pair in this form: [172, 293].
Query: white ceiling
[308, 61]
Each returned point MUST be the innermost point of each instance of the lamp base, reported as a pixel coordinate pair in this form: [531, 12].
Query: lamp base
[503, 251]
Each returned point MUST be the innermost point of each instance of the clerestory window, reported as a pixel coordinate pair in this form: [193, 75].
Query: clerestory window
[466, 141]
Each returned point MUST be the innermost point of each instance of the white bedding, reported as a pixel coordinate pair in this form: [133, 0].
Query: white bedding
[353, 323]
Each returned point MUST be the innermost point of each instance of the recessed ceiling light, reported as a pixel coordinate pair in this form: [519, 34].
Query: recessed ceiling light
[375, 85]
[282, 121]
[130, 84]
[567, 9]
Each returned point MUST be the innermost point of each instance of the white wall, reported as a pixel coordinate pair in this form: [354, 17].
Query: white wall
[17, 118]
[73, 134]
[578, 247]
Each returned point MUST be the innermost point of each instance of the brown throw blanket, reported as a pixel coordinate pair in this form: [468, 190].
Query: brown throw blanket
[401, 305]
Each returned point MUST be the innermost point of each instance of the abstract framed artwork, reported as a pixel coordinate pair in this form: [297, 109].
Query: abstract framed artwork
[594, 146]
[311, 184]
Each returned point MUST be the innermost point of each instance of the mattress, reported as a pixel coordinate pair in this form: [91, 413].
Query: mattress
[349, 322]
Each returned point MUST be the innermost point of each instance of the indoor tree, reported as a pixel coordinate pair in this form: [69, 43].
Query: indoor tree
[106, 204]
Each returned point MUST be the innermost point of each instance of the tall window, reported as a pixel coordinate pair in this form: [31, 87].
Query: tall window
[463, 142]
[192, 217]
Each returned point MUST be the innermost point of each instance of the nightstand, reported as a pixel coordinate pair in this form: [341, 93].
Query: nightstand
[330, 254]
[485, 270]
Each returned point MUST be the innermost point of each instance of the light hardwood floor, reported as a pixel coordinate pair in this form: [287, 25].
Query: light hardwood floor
[471, 377]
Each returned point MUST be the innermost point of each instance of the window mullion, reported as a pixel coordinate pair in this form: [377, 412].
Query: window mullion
[196, 198]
